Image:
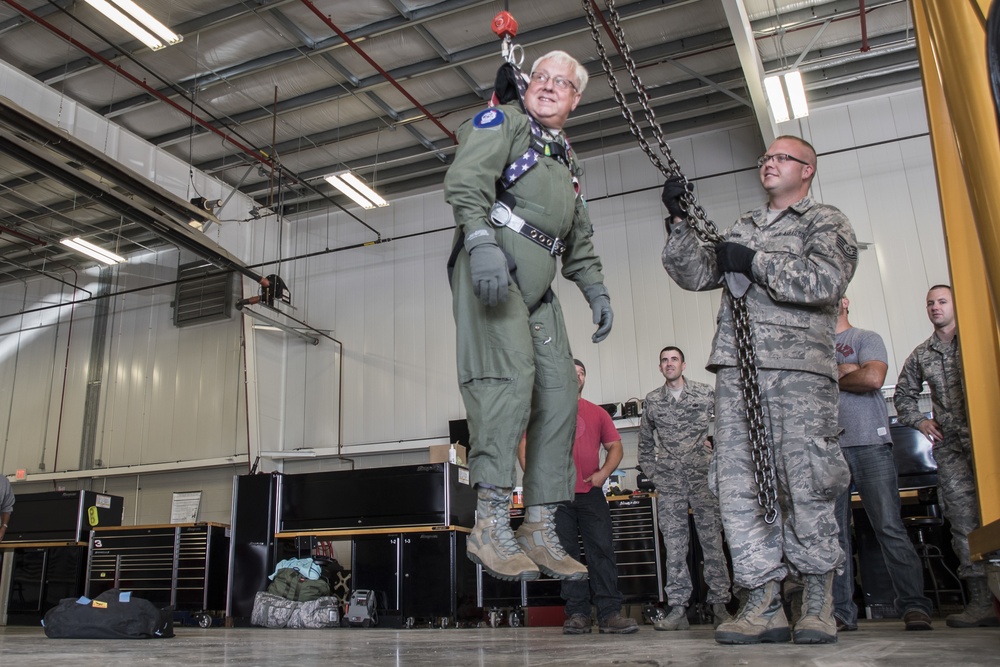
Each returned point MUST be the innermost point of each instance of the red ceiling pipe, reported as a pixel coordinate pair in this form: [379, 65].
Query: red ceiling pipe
[865, 48]
[257, 155]
[386, 75]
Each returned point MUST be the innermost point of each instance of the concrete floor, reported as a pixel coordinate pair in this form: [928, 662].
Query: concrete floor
[875, 643]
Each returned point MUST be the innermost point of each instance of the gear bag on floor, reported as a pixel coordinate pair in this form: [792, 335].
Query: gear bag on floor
[113, 614]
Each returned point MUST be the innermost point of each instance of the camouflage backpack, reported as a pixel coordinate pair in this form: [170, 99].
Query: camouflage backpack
[291, 585]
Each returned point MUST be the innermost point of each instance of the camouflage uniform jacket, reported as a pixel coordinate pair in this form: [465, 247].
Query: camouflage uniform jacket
[804, 261]
[940, 365]
[681, 426]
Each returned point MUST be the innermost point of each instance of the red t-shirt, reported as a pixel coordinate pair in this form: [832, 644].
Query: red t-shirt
[594, 429]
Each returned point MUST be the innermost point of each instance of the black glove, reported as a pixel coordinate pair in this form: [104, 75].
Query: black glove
[734, 257]
[603, 317]
[674, 188]
[489, 273]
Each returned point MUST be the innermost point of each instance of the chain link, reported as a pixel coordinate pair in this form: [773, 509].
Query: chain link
[708, 233]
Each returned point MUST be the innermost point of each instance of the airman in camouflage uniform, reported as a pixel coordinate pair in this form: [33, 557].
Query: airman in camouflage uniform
[674, 452]
[515, 369]
[938, 362]
[793, 259]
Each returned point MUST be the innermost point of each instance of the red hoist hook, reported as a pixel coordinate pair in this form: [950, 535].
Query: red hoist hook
[505, 28]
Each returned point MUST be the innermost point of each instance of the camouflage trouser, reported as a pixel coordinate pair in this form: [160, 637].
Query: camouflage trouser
[958, 497]
[673, 496]
[516, 376]
[800, 411]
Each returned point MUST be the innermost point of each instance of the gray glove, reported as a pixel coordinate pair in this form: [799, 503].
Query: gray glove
[600, 304]
[489, 273]
[603, 317]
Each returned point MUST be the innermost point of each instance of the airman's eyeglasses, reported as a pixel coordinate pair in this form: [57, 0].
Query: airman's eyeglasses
[779, 158]
[558, 81]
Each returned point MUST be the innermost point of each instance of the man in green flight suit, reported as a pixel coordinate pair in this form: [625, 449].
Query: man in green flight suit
[515, 368]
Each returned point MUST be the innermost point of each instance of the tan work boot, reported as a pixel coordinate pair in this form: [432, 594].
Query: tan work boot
[720, 614]
[760, 619]
[978, 613]
[677, 619]
[491, 542]
[537, 538]
[616, 624]
[816, 625]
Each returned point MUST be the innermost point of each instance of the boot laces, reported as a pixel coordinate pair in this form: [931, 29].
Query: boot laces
[549, 530]
[814, 596]
[755, 599]
[500, 532]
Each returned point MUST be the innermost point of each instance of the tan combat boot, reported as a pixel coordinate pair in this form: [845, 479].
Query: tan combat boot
[537, 538]
[760, 619]
[491, 542]
[720, 614]
[978, 613]
[677, 619]
[817, 624]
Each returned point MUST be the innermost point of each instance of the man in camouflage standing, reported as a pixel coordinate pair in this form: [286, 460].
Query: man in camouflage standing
[674, 452]
[938, 362]
[792, 259]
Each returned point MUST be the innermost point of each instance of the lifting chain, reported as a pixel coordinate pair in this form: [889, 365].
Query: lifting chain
[706, 232]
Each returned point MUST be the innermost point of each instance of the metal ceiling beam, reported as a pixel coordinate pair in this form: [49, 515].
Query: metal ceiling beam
[16, 123]
[753, 68]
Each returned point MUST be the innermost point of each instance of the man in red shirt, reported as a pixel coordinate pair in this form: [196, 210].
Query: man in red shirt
[588, 516]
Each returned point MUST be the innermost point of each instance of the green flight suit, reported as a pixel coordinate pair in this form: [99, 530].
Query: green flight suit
[515, 367]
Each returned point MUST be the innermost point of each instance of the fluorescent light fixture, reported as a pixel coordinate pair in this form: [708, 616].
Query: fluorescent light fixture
[356, 189]
[290, 454]
[144, 32]
[266, 327]
[776, 95]
[796, 94]
[776, 98]
[150, 23]
[91, 250]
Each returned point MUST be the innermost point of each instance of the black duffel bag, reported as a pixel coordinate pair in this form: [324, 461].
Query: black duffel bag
[111, 615]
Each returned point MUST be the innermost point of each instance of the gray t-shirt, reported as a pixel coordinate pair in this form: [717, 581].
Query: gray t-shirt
[6, 495]
[863, 417]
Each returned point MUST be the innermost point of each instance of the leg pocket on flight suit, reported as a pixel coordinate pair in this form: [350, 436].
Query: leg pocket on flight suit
[553, 368]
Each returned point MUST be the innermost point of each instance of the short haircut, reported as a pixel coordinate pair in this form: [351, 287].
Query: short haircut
[580, 364]
[947, 287]
[579, 71]
[811, 156]
[674, 347]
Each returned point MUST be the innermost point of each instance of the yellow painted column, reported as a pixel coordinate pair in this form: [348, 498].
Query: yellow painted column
[951, 41]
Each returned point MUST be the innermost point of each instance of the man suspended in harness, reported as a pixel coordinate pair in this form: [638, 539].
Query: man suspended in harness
[514, 191]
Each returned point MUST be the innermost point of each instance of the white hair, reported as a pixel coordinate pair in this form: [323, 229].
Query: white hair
[579, 71]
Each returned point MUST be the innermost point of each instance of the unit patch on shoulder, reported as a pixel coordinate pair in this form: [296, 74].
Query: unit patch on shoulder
[487, 119]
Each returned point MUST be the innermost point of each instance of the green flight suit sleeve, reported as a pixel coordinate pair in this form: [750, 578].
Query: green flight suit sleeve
[481, 157]
[580, 262]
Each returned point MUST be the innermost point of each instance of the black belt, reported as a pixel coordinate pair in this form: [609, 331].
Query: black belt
[503, 216]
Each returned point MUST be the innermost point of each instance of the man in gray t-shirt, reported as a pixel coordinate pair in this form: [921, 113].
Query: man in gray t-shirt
[862, 363]
[6, 505]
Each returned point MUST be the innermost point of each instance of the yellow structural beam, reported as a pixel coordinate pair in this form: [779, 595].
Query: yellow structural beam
[951, 40]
